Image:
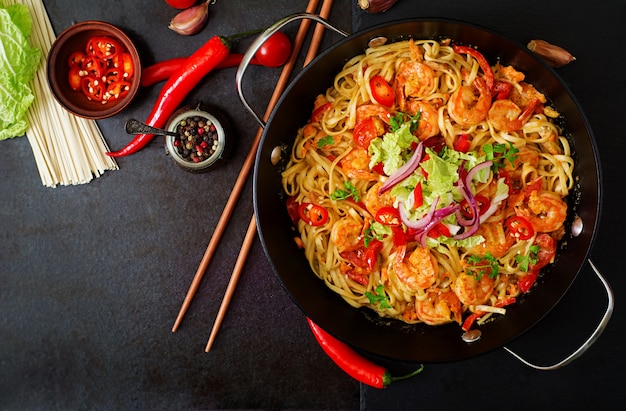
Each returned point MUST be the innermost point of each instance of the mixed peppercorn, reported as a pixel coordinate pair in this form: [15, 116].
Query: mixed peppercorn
[196, 139]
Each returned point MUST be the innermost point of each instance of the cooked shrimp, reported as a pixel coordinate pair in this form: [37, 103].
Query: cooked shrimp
[346, 234]
[439, 308]
[418, 271]
[374, 201]
[413, 77]
[472, 291]
[469, 105]
[505, 115]
[356, 165]
[545, 210]
[428, 125]
[497, 242]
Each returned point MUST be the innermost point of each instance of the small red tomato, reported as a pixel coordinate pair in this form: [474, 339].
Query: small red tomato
[275, 51]
[382, 91]
[181, 4]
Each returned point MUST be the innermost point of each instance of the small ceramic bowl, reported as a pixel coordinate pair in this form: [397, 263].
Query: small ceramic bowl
[74, 39]
[203, 138]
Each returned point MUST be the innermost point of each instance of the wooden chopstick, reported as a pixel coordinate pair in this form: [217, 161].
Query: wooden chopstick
[245, 170]
[250, 235]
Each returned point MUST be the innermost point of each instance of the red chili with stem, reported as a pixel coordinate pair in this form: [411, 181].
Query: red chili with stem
[355, 365]
[188, 75]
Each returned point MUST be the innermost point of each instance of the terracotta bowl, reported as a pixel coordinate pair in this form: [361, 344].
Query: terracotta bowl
[74, 39]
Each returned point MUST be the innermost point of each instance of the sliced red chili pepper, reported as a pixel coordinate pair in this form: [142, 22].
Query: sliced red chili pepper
[388, 216]
[103, 47]
[313, 214]
[439, 230]
[92, 88]
[124, 63]
[520, 227]
[355, 365]
[379, 168]
[418, 196]
[462, 143]
[93, 66]
[76, 58]
[74, 77]
[399, 236]
[482, 203]
[382, 91]
[482, 62]
[118, 90]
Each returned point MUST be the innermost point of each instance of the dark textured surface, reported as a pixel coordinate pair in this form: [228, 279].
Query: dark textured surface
[92, 276]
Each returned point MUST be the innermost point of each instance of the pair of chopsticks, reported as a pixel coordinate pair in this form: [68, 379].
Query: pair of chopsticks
[243, 174]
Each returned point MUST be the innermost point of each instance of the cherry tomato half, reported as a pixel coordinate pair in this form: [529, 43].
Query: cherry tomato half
[547, 250]
[275, 51]
[382, 91]
[313, 214]
[520, 227]
[364, 132]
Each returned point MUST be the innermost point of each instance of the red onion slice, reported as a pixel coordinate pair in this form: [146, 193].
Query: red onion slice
[404, 171]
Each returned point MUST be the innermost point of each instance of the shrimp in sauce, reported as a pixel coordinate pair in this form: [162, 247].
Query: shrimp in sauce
[356, 165]
[473, 291]
[428, 125]
[416, 272]
[413, 77]
[469, 105]
[439, 308]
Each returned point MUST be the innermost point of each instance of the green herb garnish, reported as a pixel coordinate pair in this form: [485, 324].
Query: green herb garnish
[481, 265]
[378, 297]
[326, 141]
[499, 154]
[525, 261]
[371, 234]
[396, 121]
[350, 191]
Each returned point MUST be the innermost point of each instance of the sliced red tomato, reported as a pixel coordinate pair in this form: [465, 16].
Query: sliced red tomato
[319, 112]
[388, 216]
[313, 214]
[364, 132]
[482, 203]
[382, 91]
[462, 143]
[520, 227]
[527, 281]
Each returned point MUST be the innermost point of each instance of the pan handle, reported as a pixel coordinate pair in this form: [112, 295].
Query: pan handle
[592, 338]
[258, 42]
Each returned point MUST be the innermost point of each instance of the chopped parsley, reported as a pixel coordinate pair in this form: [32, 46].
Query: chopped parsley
[396, 121]
[525, 261]
[349, 191]
[372, 234]
[326, 141]
[481, 265]
[499, 154]
[378, 297]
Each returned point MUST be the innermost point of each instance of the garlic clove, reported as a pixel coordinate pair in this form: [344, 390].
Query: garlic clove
[375, 6]
[191, 20]
[554, 55]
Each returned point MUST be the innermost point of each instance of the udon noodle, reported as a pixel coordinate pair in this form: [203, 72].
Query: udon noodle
[428, 185]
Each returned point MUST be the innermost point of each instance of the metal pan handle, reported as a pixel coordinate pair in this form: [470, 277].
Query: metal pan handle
[592, 338]
[258, 42]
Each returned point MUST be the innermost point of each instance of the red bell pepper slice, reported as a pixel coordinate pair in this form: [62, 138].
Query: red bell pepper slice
[439, 230]
[520, 227]
[462, 143]
[313, 214]
[418, 196]
[482, 62]
[382, 91]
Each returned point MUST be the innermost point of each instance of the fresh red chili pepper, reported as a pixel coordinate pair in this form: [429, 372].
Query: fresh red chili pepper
[388, 216]
[382, 91]
[482, 62]
[520, 227]
[355, 365]
[198, 65]
[313, 214]
[163, 70]
[462, 143]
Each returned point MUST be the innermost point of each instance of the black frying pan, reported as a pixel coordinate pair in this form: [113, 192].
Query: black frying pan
[360, 327]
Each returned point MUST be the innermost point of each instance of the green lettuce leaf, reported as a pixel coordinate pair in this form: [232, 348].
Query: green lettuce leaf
[18, 63]
[392, 149]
